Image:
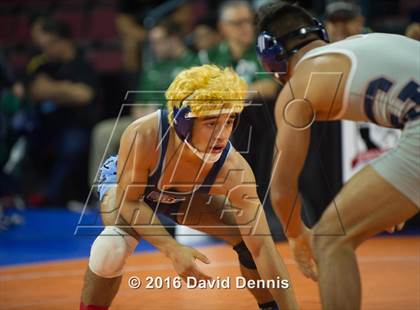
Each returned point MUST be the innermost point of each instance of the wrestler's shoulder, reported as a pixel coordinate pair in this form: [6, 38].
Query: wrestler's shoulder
[143, 129]
[327, 63]
[236, 169]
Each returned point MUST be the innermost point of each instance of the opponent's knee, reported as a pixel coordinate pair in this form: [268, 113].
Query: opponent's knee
[109, 252]
[326, 244]
[245, 256]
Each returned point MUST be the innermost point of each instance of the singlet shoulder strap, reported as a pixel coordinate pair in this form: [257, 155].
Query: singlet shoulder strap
[211, 176]
[162, 144]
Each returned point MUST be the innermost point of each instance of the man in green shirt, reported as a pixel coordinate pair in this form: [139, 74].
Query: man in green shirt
[171, 57]
[236, 20]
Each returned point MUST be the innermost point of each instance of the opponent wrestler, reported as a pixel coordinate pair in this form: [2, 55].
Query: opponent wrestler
[181, 163]
[373, 77]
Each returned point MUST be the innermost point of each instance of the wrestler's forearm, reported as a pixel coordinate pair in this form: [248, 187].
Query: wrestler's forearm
[148, 226]
[287, 206]
[158, 236]
[164, 243]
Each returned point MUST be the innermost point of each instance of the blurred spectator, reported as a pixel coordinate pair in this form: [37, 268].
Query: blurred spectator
[206, 34]
[413, 31]
[171, 56]
[343, 19]
[38, 57]
[236, 20]
[12, 147]
[11, 94]
[134, 19]
[129, 24]
[131, 19]
[63, 91]
[182, 13]
[9, 81]
[36, 28]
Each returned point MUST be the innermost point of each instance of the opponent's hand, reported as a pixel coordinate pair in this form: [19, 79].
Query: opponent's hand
[303, 254]
[183, 259]
[398, 227]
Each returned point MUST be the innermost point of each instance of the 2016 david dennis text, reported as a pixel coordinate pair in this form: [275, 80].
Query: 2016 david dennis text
[217, 283]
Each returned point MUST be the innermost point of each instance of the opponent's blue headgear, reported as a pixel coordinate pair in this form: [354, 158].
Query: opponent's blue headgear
[272, 50]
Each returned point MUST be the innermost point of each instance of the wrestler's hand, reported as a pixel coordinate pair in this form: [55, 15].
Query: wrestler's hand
[398, 227]
[183, 259]
[303, 254]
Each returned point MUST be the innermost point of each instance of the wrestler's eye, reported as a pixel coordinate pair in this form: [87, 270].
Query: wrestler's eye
[230, 122]
[211, 124]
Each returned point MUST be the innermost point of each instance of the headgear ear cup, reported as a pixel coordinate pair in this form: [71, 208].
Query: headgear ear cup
[322, 31]
[271, 53]
[182, 124]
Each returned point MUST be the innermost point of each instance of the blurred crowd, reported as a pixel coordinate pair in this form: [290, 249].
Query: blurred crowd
[74, 74]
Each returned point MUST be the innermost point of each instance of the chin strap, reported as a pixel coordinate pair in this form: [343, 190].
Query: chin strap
[205, 157]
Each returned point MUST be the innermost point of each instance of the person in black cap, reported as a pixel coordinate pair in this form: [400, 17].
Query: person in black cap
[343, 19]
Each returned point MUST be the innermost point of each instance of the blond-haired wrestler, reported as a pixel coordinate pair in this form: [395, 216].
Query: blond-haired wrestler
[177, 163]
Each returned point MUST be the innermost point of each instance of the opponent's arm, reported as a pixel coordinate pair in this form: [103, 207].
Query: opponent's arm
[133, 163]
[294, 117]
[256, 234]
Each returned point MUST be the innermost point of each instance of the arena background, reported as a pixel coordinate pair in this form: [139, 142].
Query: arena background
[41, 206]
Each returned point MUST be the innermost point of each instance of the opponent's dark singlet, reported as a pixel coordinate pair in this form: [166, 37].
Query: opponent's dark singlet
[163, 201]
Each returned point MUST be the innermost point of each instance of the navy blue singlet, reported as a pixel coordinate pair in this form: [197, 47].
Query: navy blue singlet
[168, 201]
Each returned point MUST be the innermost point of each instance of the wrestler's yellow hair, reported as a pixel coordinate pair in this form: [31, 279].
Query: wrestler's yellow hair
[206, 88]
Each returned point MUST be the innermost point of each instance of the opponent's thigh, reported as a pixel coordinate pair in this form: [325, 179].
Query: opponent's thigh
[366, 205]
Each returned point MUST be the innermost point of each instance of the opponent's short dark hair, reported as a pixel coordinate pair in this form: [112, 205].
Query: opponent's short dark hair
[56, 27]
[281, 17]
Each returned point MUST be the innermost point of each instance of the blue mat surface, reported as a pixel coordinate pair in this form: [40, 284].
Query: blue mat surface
[49, 234]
